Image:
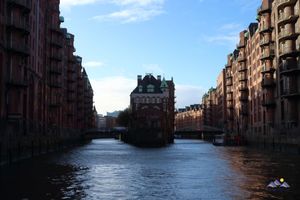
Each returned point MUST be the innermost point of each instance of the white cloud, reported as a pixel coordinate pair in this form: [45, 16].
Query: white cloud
[153, 68]
[188, 94]
[69, 3]
[138, 2]
[130, 11]
[227, 35]
[223, 39]
[231, 27]
[131, 15]
[113, 93]
[93, 64]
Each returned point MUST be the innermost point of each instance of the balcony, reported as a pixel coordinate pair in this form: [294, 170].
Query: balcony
[55, 28]
[55, 83]
[80, 85]
[240, 45]
[230, 118]
[244, 111]
[71, 69]
[243, 87]
[267, 69]
[230, 105]
[56, 56]
[71, 90]
[283, 3]
[18, 47]
[263, 9]
[71, 80]
[228, 81]
[242, 67]
[241, 58]
[17, 83]
[268, 55]
[25, 4]
[264, 29]
[286, 69]
[290, 93]
[55, 69]
[228, 75]
[72, 59]
[228, 65]
[228, 90]
[20, 24]
[71, 97]
[243, 77]
[265, 42]
[243, 97]
[57, 42]
[287, 19]
[55, 102]
[287, 35]
[268, 102]
[55, 105]
[267, 82]
[288, 52]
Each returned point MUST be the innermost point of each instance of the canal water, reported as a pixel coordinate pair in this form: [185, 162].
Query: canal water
[188, 169]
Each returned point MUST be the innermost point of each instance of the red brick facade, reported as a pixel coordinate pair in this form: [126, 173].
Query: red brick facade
[45, 94]
[152, 111]
[262, 84]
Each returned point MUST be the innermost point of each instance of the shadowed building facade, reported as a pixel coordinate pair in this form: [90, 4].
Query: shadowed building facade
[44, 91]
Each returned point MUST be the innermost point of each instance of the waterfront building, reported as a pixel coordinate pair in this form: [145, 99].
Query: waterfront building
[209, 105]
[152, 111]
[45, 94]
[189, 118]
[262, 78]
[221, 103]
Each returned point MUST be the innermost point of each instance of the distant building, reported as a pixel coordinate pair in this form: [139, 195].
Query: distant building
[113, 114]
[152, 111]
[189, 118]
[110, 122]
[101, 121]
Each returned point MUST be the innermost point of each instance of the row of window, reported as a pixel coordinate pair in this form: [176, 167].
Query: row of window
[150, 88]
[147, 100]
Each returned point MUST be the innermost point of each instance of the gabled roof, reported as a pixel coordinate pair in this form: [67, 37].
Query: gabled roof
[149, 79]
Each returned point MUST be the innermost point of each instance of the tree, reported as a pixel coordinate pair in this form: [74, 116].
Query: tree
[123, 118]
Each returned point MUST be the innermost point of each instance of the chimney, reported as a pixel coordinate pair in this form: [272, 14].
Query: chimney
[159, 77]
[139, 79]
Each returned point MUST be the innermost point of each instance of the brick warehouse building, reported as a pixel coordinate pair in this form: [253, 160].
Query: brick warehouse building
[152, 111]
[266, 62]
[189, 118]
[262, 85]
[45, 94]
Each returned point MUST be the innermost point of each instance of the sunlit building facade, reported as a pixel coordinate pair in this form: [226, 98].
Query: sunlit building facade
[262, 78]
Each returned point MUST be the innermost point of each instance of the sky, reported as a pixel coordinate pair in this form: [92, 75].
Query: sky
[188, 40]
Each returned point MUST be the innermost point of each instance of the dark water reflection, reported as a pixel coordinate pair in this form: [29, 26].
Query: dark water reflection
[189, 169]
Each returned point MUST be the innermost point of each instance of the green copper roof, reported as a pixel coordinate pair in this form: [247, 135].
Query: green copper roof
[164, 83]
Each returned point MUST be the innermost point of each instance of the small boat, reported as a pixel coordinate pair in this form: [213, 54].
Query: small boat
[219, 140]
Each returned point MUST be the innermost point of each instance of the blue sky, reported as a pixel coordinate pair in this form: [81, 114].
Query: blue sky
[184, 39]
